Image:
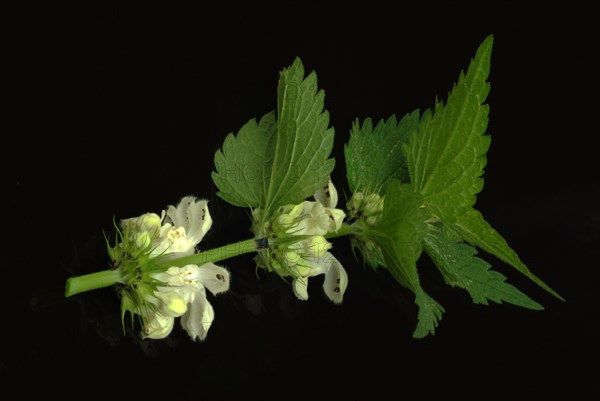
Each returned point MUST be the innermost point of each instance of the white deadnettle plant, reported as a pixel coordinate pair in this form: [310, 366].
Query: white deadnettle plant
[162, 296]
[160, 278]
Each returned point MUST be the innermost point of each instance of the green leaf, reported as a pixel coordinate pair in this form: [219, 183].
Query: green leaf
[475, 230]
[446, 155]
[430, 313]
[403, 225]
[297, 160]
[374, 154]
[239, 163]
[279, 160]
[460, 267]
[446, 158]
[403, 228]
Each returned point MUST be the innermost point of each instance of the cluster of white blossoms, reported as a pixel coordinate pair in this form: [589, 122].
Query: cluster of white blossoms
[159, 295]
[177, 291]
[174, 233]
[183, 294]
[309, 257]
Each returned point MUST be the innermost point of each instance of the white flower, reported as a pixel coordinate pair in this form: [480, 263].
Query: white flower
[184, 295]
[156, 325]
[184, 227]
[178, 291]
[327, 196]
[199, 317]
[314, 218]
[301, 255]
[309, 256]
[175, 233]
[312, 259]
[335, 283]
[327, 199]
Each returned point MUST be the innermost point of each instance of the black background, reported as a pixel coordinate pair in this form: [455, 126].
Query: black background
[117, 109]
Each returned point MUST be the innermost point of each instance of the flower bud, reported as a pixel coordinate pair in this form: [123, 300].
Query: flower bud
[148, 223]
[373, 205]
[355, 203]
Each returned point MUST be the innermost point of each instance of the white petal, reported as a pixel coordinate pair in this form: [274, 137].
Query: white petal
[327, 196]
[156, 325]
[168, 276]
[197, 321]
[177, 276]
[213, 277]
[318, 266]
[311, 226]
[333, 195]
[315, 248]
[180, 242]
[189, 273]
[336, 279]
[296, 210]
[300, 287]
[199, 220]
[312, 268]
[173, 240]
[161, 244]
[337, 215]
[174, 300]
[178, 215]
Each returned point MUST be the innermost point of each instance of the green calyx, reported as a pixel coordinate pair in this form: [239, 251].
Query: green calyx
[131, 254]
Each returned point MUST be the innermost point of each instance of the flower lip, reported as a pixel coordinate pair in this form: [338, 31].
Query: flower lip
[327, 196]
[334, 285]
[199, 318]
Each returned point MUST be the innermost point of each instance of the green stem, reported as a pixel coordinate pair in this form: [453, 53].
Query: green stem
[211, 255]
[106, 278]
[232, 250]
[92, 281]
[344, 230]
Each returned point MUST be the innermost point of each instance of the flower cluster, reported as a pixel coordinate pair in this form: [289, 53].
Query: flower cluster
[365, 211]
[367, 208]
[176, 232]
[298, 248]
[160, 295]
[181, 292]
